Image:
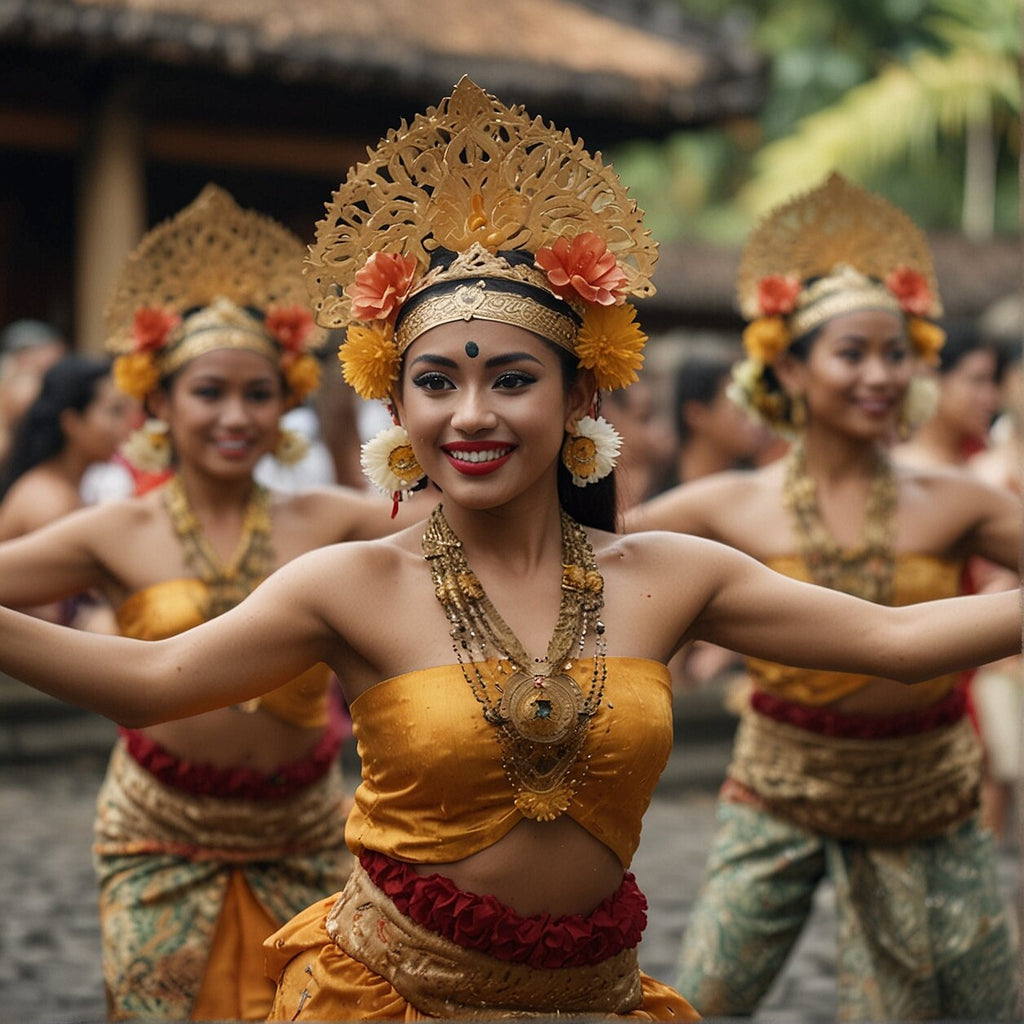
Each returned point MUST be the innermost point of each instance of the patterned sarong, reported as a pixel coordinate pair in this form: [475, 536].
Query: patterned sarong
[923, 932]
[166, 859]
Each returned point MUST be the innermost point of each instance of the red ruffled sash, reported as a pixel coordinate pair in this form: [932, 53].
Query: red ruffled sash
[236, 782]
[484, 923]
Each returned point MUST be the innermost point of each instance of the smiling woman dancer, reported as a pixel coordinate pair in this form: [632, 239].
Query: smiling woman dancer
[504, 665]
[849, 776]
[213, 830]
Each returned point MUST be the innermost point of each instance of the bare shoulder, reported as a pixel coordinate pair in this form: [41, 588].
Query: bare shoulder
[365, 567]
[327, 515]
[661, 556]
[704, 506]
[34, 500]
[950, 485]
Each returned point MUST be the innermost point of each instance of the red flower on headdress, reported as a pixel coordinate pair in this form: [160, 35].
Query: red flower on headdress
[291, 325]
[151, 327]
[381, 285]
[776, 294]
[911, 290]
[583, 268]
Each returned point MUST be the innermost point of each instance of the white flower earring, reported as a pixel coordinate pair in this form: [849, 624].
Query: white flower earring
[291, 447]
[590, 453]
[149, 447]
[390, 463]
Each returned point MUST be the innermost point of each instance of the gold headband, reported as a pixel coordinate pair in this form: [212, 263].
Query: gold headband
[477, 301]
[220, 325]
[845, 290]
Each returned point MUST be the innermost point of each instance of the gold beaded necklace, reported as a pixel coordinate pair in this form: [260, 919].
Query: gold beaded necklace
[228, 582]
[865, 571]
[540, 713]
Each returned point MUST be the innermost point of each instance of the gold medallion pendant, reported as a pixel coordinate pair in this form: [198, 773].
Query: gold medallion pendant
[540, 712]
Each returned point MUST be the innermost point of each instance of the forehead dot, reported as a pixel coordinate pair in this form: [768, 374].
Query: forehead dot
[472, 349]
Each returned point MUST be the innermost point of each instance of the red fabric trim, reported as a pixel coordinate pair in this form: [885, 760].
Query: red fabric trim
[828, 722]
[237, 783]
[486, 924]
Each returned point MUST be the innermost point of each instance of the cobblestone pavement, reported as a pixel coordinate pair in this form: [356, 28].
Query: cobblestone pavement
[49, 933]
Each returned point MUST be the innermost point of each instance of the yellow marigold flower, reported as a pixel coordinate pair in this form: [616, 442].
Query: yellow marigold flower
[611, 343]
[135, 374]
[370, 360]
[927, 338]
[766, 337]
[302, 375]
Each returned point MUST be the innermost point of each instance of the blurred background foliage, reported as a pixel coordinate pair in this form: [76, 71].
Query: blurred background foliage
[916, 99]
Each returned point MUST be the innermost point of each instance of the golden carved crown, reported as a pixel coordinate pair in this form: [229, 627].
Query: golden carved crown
[213, 276]
[478, 194]
[833, 229]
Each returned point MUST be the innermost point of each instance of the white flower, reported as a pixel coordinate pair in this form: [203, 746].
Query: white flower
[291, 448]
[149, 447]
[591, 452]
[390, 463]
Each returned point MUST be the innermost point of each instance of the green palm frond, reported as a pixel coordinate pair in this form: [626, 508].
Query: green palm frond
[902, 112]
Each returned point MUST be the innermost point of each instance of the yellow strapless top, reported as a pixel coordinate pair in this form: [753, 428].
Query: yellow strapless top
[916, 578]
[168, 608]
[433, 787]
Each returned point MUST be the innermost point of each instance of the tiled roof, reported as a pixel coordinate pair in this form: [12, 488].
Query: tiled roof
[556, 56]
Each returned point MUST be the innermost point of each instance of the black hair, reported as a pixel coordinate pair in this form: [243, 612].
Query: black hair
[699, 378]
[962, 338]
[596, 504]
[70, 383]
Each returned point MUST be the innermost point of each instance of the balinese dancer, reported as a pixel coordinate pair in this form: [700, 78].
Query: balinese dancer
[213, 830]
[849, 775]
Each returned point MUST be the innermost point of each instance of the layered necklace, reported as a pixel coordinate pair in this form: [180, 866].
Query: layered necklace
[866, 570]
[540, 713]
[227, 583]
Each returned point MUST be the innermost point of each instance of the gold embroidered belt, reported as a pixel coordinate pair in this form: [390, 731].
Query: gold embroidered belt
[443, 979]
[138, 814]
[892, 790]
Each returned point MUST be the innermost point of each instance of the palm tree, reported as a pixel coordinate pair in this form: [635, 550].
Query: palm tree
[968, 91]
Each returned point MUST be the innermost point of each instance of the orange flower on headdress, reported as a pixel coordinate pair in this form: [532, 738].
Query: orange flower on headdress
[381, 285]
[151, 328]
[776, 294]
[911, 290]
[611, 343]
[290, 325]
[135, 374]
[765, 338]
[369, 359]
[302, 375]
[926, 337]
[583, 268]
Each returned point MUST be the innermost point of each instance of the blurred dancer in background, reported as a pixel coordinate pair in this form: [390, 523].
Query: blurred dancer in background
[849, 776]
[212, 830]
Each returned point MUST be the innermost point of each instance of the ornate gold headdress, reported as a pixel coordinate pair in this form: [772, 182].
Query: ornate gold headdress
[830, 251]
[214, 276]
[477, 211]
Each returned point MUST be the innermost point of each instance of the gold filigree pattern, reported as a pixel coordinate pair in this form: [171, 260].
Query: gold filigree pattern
[211, 249]
[832, 225]
[472, 171]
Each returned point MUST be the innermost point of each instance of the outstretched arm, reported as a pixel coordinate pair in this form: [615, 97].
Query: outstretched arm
[758, 612]
[272, 636]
